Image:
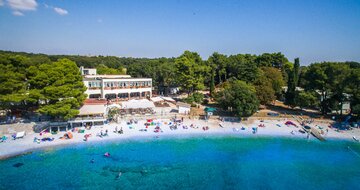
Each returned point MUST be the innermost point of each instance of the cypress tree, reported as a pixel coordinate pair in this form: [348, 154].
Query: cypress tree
[292, 83]
[212, 84]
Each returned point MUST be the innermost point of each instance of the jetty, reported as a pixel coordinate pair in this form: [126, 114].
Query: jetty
[314, 132]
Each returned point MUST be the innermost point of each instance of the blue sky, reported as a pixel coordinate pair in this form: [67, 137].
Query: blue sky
[317, 30]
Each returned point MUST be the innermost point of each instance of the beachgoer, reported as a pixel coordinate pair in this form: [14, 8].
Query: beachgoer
[106, 132]
[119, 175]
[116, 130]
[101, 133]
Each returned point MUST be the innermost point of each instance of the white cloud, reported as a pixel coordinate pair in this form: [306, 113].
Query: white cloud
[22, 5]
[18, 13]
[99, 20]
[60, 11]
[1, 2]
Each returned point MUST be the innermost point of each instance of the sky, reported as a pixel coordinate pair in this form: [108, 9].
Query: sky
[313, 30]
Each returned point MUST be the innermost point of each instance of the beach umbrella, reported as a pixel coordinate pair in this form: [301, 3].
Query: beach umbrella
[45, 135]
[70, 135]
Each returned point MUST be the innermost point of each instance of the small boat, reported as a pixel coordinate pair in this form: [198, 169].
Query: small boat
[278, 125]
[355, 139]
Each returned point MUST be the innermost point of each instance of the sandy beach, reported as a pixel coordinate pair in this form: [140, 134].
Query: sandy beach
[273, 128]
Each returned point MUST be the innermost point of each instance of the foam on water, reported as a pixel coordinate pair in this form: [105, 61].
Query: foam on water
[191, 163]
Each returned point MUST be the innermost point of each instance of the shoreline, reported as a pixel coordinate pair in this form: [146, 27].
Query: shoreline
[19, 147]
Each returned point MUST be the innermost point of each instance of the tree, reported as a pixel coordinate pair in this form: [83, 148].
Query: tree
[275, 78]
[212, 84]
[264, 90]
[243, 67]
[292, 82]
[13, 83]
[332, 80]
[276, 60]
[305, 99]
[190, 71]
[353, 88]
[63, 89]
[103, 69]
[239, 96]
[218, 64]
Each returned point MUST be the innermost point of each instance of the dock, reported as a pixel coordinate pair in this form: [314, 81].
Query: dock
[316, 134]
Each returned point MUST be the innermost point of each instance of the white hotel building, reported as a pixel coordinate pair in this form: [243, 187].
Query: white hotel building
[121, 87]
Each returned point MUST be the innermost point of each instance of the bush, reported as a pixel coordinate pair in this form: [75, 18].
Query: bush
[198, 97]
[189, 100]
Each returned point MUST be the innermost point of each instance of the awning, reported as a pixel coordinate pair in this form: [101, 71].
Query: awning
[92, 109]
[135, 104]
[156, 99]
[208, 109]
[182, 104]
[168, 99]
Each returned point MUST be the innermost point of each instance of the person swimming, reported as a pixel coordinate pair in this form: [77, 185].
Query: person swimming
[107, 154]
[92, 160]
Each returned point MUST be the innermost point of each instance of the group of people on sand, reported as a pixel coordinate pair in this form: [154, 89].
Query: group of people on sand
[118, 131]
[102, 134]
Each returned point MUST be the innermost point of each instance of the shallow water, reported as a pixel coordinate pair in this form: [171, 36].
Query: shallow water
[191, 163]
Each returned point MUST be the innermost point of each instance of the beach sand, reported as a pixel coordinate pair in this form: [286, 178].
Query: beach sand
[25, 145]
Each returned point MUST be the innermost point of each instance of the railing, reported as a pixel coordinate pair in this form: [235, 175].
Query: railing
[128, 87]
[94, 88]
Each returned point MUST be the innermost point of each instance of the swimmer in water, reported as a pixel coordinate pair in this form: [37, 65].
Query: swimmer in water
[119, 175]
[92, 161]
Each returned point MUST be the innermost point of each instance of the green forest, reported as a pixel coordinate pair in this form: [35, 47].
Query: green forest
[52, 85]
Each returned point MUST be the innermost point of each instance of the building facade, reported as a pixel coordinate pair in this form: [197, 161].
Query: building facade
[120, 87]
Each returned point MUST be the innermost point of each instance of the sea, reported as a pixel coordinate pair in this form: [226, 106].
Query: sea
[225, 162]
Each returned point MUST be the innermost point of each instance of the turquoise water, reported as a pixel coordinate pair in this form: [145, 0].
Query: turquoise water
[192, 163]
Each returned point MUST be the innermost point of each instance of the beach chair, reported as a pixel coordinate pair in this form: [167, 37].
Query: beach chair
[3, 139]
[20, 134]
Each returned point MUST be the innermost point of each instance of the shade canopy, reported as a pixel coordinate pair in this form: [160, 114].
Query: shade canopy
[136, 104]
[92, 109]
[208, 109]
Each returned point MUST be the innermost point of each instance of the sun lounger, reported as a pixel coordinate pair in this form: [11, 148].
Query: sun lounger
[20, 134]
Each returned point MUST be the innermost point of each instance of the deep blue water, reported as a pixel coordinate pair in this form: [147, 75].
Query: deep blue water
[191, 163]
